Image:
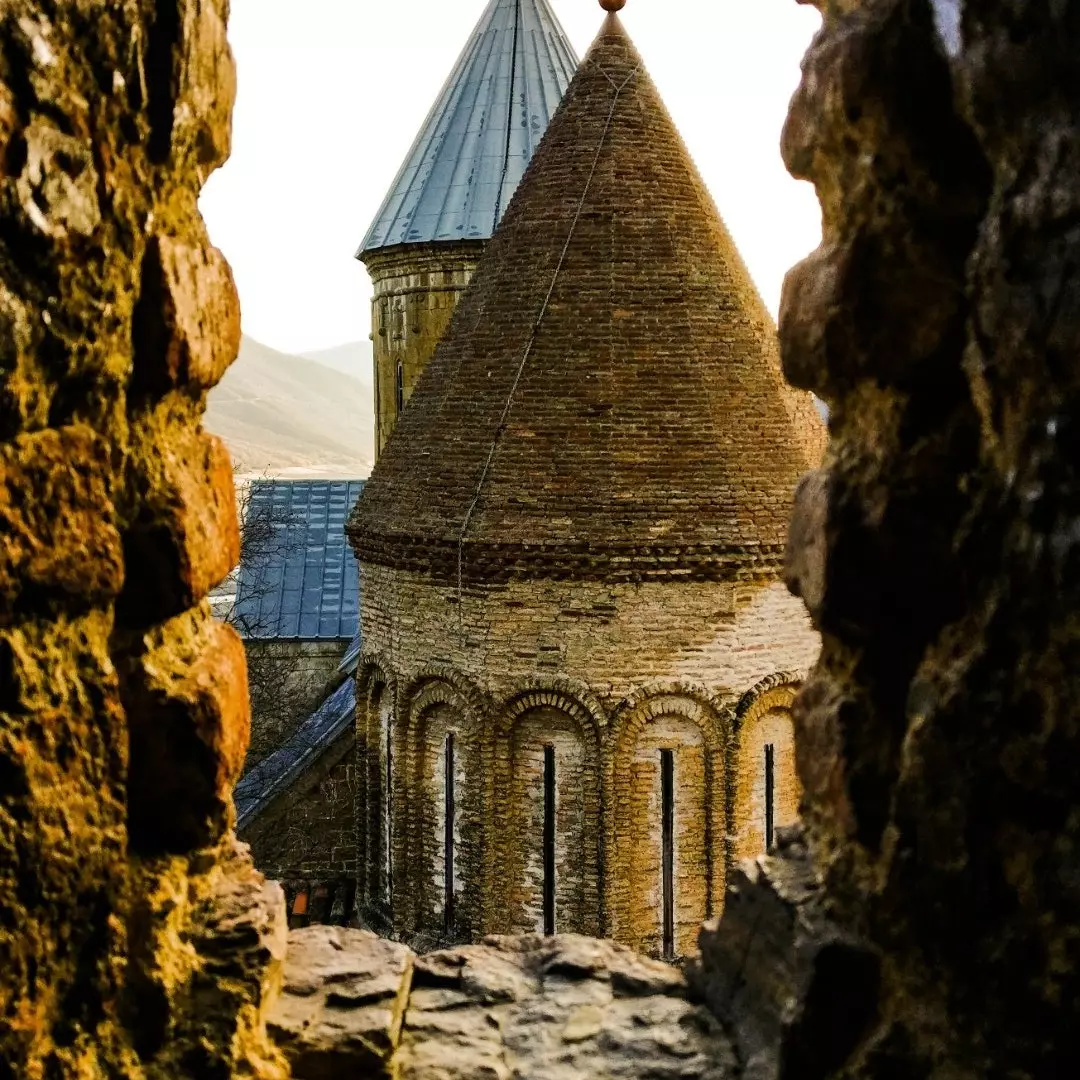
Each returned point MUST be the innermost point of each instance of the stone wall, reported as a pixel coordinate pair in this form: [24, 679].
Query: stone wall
[606, 675]
[309, 831]
[289, 680]
[416, 289]
[613, 638]
[135, 938]
[930, 929]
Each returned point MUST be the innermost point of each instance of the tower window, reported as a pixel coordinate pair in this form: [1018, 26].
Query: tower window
[667, 799]
[549, 839]
[448, 832]
[399, 387]
[770, 796]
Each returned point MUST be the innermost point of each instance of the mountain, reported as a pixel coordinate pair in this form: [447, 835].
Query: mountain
[353, 359]
[291, 416]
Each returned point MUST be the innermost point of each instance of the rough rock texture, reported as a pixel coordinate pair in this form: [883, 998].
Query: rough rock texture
[938, 738]
[560, 1008]
[135, 938]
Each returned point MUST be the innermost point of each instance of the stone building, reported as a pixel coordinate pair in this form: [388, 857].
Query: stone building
[296, 609]
[296, 599]
[454, 186]
[578, 656]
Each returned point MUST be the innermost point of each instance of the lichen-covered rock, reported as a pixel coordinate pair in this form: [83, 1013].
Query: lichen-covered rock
[136, 940]
[562, 1008]
[938, 740]
[343, 1002]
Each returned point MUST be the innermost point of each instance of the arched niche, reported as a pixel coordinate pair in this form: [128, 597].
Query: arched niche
[544, 869]
[437, 787]
[767, 788]
[375, 696]
[667, 822]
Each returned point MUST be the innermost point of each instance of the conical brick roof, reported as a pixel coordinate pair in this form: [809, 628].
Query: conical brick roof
[608, 401]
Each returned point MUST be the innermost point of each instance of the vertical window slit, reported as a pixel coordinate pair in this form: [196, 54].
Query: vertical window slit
[549, 839]
[448, 833]
[400, 387]
[667, 798]
[770, 797]
[388, 817]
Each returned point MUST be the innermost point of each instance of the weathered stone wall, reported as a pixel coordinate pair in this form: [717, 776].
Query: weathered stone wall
[416, 288]
[608, 675]
[537, 1007]
[309, 831]
[288, 681]
[931, 929]
[135, 940]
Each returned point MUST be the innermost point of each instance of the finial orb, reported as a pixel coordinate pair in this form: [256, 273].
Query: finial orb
[613, 5]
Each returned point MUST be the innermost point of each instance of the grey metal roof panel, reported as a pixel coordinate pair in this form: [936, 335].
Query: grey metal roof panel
[260, 785]
[472, 150]
[351, 660]
[298, 577]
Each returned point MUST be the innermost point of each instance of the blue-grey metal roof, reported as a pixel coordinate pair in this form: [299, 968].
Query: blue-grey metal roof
[298, 576]
[492, 112]
[259, 786]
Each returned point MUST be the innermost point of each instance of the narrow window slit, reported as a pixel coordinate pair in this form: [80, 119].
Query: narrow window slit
[549, 839]
[388, 817]
[448, 833]
[400, 387]
[667, 798]
[770, 797]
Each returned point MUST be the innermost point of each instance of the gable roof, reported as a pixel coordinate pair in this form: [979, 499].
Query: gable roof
[298, 579]
[608, 400]
[471, 152]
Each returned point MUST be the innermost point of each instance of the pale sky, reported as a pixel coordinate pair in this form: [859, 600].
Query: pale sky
[332, 93]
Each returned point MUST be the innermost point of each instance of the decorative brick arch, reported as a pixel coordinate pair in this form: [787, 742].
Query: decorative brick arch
[371, 668]
[763, 719]
[695, 725]
[690, 700]
[565, 716]
[373, 682]
[436, 701]
[787, 683]
[571, 698]
[437, 685]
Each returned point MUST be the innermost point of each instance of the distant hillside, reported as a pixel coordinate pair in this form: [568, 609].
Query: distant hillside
[353, 359]
[292, 416]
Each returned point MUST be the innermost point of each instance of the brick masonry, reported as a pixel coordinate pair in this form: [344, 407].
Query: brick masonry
[416, 289]
[573, 540]
[606, 674]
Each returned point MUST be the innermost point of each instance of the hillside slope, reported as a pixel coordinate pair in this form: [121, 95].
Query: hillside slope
[353, 359]
[285, 415]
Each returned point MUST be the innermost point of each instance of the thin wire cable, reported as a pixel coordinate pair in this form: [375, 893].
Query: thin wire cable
[501, 426]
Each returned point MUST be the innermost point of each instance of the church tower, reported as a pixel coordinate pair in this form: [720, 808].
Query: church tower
[579, 657]
[454, 186]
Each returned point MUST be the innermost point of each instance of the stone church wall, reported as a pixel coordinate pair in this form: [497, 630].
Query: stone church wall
[608, 676]
[614, 638]
[309, 831]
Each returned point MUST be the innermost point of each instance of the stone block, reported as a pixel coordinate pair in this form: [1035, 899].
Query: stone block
[58, 539]
[187, 322]
[187, 704]
[343, 1003]
[185, 538]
